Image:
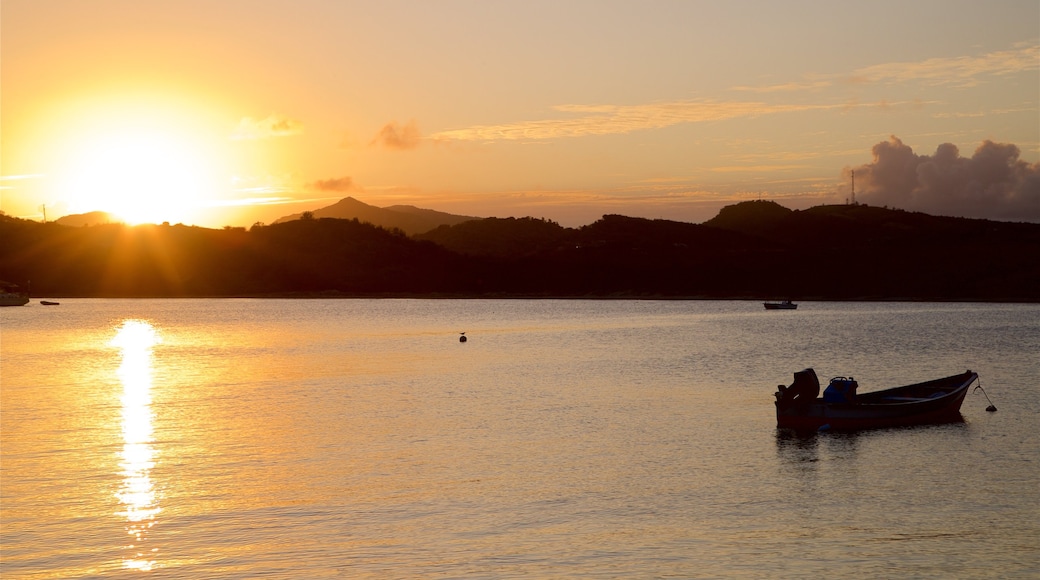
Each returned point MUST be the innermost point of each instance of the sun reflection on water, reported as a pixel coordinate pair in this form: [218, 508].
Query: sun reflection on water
[135, 339]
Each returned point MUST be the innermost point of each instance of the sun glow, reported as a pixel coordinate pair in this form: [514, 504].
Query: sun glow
[143, 154]
[139, 176]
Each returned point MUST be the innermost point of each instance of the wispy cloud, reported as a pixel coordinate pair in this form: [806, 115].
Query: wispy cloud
[756, 168]
[585, 120]
[960, 71]
[789, 87]
[248, 201]
[582, 120]
[18, 178]
[620, 119]
[989, 113]
[263, 200]
[271, 126]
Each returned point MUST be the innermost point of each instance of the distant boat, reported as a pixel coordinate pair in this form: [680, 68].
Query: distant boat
[841, 409]
[49, 303]
[784, 305]
[13, 299]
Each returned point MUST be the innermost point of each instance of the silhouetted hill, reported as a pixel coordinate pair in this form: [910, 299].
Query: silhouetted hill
[654, 258]
[749, 216]
[749, 251]
[433, 216]
[409, 219]
[873, 252]
[500, 237]
[302, 256]
[658, 235]
[92, 218]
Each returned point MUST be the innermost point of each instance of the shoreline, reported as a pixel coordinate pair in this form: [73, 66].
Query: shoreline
[336, 295]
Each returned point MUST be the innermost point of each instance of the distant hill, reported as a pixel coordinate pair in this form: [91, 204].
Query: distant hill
[854, 226]
[500, 237]
[753, 250]
[523, 237]
[761, 249]
[860, 251]
[749, 216]
[87, 219]
[409, 219]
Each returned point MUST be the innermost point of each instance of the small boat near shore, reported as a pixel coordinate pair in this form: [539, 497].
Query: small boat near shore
[800, 407]
[49, 303]
[13, 299]
[782, 305]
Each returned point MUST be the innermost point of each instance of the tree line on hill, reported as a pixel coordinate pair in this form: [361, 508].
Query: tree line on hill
[752, 250]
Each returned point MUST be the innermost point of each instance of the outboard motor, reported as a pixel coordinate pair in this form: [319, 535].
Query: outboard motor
[804, 389]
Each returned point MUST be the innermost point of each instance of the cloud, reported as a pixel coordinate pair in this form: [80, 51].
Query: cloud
[790, 87]
[619, 119]
[394, 136]
[961, 71]
[271, 126]
[334, 184]
[958, 72]
[576, 120]
[993, 183]
[250, 201]
[18, 178]
[757, 168]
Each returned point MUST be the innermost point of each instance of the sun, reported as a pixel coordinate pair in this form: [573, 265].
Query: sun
[142, 154]
[139, 176]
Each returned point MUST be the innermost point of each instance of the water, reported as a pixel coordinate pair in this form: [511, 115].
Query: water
[597, 439]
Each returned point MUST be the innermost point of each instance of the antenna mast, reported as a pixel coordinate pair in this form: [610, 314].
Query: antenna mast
[853, 188]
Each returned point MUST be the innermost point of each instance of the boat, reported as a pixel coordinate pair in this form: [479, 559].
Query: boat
[13, 299]
[783, 305]
[49, 303]
[800, 407]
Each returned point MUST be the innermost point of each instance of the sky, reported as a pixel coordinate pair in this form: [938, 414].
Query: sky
[233, 112]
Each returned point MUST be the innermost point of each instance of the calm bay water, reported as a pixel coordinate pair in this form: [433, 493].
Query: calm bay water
[360, 438]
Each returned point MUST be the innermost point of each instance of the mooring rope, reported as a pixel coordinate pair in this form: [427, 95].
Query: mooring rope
[991, 408]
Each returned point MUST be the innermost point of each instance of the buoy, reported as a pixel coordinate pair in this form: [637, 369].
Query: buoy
[991, 408]
[462, 338]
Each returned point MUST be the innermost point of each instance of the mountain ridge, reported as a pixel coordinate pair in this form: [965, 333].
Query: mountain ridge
[407, 218]
[751, 251]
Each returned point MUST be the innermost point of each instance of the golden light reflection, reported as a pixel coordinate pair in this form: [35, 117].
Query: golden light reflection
[135, 339]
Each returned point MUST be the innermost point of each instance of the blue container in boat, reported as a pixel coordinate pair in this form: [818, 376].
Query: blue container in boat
[841, 390]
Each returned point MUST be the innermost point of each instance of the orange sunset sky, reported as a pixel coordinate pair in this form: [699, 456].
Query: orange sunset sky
[230, 112]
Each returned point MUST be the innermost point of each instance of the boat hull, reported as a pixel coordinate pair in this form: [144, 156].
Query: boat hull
[780, 306]
[12, 299]
[927, 403]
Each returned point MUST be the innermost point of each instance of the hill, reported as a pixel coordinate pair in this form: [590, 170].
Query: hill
[859, 251]
[92, 218]
[749, 251]
[409, 219]
[500, 237]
